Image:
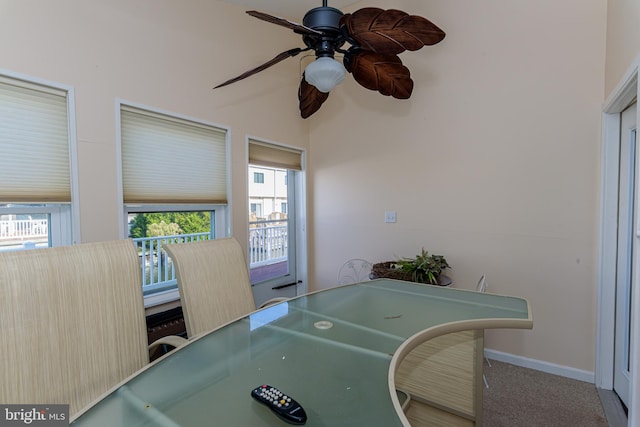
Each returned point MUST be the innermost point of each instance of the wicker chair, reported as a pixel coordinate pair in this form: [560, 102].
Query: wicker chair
[482, 287]
[354, 271]
[73, 322]
[213, 281]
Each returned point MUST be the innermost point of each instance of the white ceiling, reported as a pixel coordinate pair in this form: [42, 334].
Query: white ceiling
[293, 10]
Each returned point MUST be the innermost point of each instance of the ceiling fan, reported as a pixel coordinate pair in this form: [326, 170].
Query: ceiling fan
[375, 38]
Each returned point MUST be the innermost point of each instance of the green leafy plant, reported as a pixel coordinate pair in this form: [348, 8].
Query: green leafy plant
[424, 268]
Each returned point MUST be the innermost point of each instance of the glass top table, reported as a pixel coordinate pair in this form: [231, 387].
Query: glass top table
[334, 351]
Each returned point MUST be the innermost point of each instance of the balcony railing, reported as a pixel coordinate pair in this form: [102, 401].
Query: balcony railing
[158, 273]
[22, 230]
[268, 244]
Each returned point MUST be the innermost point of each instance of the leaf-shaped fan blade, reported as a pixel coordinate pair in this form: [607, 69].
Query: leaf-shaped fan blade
[310, 98]
[390, 31]
[298, 28]
[381, 72]
[280, 57]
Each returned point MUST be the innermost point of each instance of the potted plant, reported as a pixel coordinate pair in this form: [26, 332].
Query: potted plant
[423, 268]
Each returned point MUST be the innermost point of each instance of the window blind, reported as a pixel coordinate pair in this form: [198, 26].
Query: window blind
[34, 144]
[171, 160]
[270, 155]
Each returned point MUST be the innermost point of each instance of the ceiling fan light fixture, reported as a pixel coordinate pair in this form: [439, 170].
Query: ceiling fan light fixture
[325, 73]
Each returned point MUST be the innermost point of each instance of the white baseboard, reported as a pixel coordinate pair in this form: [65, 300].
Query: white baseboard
[539, 365]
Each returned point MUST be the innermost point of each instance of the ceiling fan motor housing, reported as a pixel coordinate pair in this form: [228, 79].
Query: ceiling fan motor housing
[327, 20]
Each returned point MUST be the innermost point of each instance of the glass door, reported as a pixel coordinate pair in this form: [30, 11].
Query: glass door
[273, 191]
[627, 251]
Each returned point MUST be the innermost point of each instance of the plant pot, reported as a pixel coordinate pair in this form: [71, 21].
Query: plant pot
[386, 270]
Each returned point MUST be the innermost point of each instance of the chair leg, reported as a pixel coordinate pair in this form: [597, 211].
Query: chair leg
[484, 377]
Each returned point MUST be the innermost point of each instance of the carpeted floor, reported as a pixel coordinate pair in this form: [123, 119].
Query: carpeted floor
[521, 397]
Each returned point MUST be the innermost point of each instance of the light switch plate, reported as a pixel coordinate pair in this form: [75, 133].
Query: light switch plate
[390, 216]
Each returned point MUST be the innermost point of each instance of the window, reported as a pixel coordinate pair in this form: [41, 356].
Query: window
[256, 210]
[258, 177]
[174, 188]
[283, 207]
[37, 142]
[152, 227]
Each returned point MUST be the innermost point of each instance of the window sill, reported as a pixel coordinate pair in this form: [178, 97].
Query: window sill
[161, 301]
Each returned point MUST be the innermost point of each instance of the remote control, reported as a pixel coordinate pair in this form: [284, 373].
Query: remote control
[284, 406]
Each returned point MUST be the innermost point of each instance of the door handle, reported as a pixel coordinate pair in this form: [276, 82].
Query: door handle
[286, 286]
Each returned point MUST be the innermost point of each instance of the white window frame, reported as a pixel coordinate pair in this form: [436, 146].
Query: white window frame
[64, 228]
[221, 213]
[60, 230]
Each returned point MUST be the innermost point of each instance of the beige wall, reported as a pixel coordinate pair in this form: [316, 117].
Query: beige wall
[163, 54]
[623, 39]
[493, 162]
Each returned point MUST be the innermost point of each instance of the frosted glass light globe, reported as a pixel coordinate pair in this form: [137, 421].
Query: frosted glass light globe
[324, 73]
